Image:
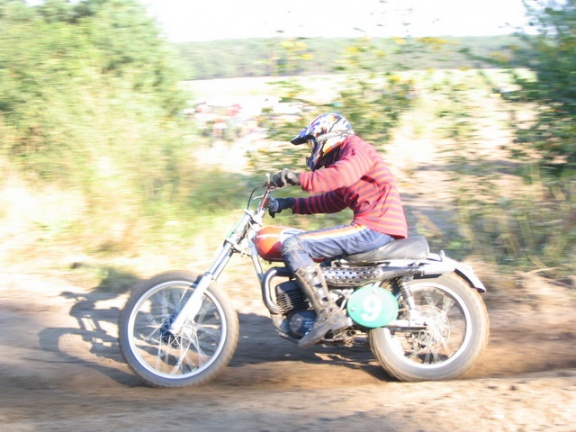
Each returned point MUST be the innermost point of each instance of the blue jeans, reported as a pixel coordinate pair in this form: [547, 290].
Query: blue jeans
[300, 250]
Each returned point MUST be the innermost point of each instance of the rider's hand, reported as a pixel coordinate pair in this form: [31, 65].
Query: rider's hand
[286, 177]
[282, 204]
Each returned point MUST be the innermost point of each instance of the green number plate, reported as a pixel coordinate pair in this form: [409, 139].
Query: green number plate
[372, 306]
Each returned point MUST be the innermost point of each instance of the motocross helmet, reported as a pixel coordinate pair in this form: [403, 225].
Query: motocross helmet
[323, 135]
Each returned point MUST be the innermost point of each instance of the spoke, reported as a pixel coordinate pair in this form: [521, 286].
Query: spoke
[152, 322]
[211, 331]
[446, 348]
[159, 356]
[149, 338]
[213, 334]
[164, 304]
[151, 318]
[178, 298]
[428, 299]
[432, 357]
[201, 354]
[446, 304]
[178, 365]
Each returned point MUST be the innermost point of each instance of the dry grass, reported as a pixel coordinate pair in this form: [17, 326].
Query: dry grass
[47, 229]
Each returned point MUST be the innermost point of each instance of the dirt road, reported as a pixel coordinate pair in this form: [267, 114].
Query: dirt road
[60, 369]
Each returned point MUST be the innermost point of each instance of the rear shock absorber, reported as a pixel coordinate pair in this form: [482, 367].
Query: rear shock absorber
[415, 319]
[406, 292]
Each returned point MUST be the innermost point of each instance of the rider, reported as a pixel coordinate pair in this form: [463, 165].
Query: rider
[346, 172]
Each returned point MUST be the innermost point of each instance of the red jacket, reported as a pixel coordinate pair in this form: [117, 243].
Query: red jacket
[357, 179]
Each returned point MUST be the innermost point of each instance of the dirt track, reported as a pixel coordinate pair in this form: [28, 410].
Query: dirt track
[60, 367]
[61, 370]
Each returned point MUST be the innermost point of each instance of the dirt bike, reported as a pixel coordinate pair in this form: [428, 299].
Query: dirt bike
[422, 313]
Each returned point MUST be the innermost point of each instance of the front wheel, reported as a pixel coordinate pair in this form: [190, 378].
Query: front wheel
[203, 347]
[455, 333]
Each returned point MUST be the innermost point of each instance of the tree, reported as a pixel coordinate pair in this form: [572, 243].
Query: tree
[93, 78]
[549, 87]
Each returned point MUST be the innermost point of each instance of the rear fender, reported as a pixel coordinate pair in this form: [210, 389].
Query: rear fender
[440, 264]
[467, 273]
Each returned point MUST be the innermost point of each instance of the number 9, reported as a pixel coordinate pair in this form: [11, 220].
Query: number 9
[372, 307]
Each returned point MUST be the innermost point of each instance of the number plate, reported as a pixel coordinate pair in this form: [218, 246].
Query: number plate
[372, 306]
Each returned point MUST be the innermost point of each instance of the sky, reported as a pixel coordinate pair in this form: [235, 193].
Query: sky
[197, 20]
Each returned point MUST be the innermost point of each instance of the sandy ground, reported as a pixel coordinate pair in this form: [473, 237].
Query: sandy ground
[61, 369]
[60, 366]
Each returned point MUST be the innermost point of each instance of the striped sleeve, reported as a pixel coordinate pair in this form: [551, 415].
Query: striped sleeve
[330, 202]
[351, 165]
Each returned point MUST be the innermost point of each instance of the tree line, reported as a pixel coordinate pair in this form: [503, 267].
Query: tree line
[305, 56]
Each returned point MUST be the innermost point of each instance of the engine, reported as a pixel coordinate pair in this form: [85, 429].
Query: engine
[289, 296]
[290, 310]
[298, 318]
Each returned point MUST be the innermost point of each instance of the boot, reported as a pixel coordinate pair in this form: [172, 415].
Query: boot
[329, 316]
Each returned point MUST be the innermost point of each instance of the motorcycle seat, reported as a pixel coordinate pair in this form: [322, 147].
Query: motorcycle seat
[413, 248]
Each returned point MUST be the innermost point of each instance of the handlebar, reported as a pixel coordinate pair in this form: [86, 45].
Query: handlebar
[266, 199]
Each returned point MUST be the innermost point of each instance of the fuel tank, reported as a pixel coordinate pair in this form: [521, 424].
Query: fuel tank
[269, 240]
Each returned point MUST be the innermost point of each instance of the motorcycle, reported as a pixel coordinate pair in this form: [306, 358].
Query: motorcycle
[421, 312]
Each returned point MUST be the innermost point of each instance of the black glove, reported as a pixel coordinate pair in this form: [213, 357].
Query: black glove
[286, 177]
[280, 204]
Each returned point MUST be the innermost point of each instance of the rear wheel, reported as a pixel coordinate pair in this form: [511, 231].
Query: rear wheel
[198, 353]
[455, 334]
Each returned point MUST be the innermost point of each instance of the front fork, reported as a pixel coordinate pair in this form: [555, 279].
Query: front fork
[230, 246]
[193, 304]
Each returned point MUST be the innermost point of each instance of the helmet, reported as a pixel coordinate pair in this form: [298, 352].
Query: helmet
[324, 134]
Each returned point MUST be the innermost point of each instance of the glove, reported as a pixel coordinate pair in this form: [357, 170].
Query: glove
[286, 177]
[280, 204]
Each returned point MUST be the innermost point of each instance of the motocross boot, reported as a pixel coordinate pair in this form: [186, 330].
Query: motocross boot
[329, 316]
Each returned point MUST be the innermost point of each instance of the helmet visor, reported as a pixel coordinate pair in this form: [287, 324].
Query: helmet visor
[315, 153]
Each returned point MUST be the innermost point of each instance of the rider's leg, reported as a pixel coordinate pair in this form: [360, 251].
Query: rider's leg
[327, 243]
[329, 316]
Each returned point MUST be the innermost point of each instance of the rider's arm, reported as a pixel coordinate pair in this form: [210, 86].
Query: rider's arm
[330, 202]
[354, 160]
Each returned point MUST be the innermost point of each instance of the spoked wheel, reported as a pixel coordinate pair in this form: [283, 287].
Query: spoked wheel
[195, 355]
[454, 332]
